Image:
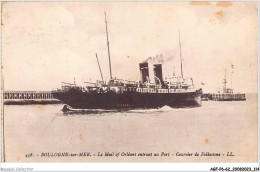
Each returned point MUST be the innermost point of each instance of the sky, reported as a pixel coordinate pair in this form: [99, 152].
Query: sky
[46, 43]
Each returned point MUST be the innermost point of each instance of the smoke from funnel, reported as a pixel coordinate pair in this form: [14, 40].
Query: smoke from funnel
[160, 58]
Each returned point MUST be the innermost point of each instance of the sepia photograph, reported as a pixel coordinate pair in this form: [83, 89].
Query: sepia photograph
[129, 81]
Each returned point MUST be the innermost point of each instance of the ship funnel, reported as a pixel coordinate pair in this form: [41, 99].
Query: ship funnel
[144, 71]
[157, 68]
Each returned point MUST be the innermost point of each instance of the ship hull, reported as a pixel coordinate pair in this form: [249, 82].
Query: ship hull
[85, 100]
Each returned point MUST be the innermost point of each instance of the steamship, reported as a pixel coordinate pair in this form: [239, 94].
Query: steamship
[150, 92]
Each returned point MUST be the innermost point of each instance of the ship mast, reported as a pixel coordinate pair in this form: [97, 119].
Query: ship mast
[99, 68]
[180, 53]
[108, 48]
[232, 72]
[231, 79]
[225, 81]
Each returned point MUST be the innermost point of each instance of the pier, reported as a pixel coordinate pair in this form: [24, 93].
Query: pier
[29, 97]
[223, 97]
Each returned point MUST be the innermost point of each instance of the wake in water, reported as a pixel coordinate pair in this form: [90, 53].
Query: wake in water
[67, 110]
[70, 111]
[162, 109]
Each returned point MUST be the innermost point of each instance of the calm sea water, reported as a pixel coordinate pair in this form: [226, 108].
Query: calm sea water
[215, 127]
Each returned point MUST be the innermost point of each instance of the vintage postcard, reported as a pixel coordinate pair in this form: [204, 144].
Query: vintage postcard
[129, 81]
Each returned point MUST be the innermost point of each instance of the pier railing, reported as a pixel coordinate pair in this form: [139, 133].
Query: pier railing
[28, 95]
